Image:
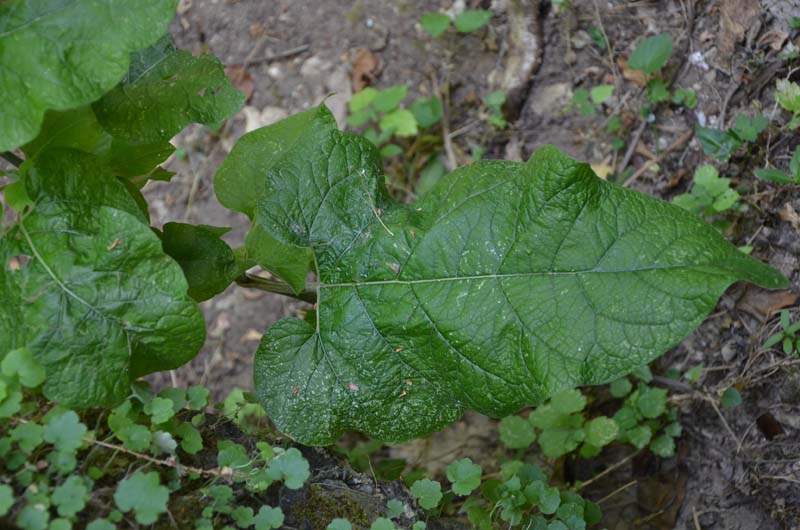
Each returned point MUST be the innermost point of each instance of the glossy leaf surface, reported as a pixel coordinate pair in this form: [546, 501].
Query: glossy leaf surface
[240, 179]
[87, 287]
[164, 91]
[59, 54]
[207, 261]
[506, 283]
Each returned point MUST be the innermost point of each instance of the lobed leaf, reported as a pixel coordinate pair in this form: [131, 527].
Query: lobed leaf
[506, 283]
[59, 55]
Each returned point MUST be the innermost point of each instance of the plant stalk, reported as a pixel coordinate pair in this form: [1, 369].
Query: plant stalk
[277, 286]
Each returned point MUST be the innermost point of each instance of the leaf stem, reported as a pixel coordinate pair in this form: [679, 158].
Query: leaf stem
[216, 472]
[12, 158]
[277, 286]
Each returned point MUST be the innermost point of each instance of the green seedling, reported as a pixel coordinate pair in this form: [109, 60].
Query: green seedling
[788, 337]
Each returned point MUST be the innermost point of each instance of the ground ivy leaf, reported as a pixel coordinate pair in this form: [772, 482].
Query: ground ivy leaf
[516, 432]
[291, 467]
[33, 517]
[90, 55]
[600, 431]
[136, 437]
[394, 508]
[159, 409]
[21, 362]
[339, 524]
[465, 475]
[652, 402]
[639, 436]
[505, 284]
[98, 288]
[663, 446]
[427, 492]
[144, 494]
[268, 518]
[65, 431]
[27, 435]
[198, 397]
[382, 523]
[207, 261]
[101, 524]
[191, 440]
[6, 499]
[549, 500]
[243, 516]
[232, 455]
[70, 497]
[620, 387]
[164, 91]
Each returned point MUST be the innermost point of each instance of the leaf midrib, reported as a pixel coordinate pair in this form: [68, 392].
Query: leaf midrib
[398, 281]
[69, 291]
[37, 19]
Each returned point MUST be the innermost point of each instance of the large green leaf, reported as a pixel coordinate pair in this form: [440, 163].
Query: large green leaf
[240, 179]
[79, 129]
[85, 286]
[207, 261]
[59, 54]
[164, 91]
[507, 283]
[79, 179]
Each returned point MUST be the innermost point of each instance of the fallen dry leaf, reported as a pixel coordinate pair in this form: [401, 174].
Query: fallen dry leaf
[241, 79]
[790, 215]
[364, 68]
[735, 18]
[629, 74]
[774, 39]
[762, 303]
[251, 335]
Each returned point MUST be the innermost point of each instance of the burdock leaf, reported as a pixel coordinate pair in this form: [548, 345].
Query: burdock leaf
[507, 283]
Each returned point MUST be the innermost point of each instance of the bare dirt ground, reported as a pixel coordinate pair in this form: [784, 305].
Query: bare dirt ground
[735, 469]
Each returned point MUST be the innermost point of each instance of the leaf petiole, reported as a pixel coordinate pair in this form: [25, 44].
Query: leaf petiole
[277, 286]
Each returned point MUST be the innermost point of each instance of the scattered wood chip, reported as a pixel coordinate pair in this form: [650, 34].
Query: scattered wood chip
[769, 426]
[629, 74]
[762, 303]
[602, 170]
[775, 39]
[790, 215]
[251, 335]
